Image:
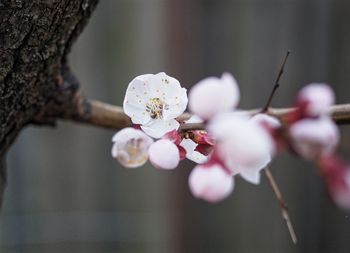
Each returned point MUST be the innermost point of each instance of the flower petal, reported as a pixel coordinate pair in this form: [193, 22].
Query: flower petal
[158, 128]
[177, 101]
[169, 90]
[136, 97]
[252, 176]
[191, 154]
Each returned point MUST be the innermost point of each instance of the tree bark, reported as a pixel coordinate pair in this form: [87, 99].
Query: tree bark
[36, 84]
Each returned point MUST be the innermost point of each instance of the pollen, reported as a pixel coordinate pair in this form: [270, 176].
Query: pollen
[155, 107]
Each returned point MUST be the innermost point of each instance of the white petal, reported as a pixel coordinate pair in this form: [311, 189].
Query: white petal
[177, 103]
[194, 119]
[136, 97]
[137, 115]
[157, 128]
[264, 119]
[169, 90]
[164, 154]
[191, 154]
[251, 176]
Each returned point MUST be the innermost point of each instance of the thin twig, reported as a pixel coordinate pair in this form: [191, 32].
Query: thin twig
[276, 85]
[282, 203]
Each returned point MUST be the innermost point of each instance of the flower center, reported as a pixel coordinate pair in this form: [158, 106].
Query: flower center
[155, 107]
[134, 152]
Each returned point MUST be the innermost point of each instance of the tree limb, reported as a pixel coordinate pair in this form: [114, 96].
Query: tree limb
[35, 85]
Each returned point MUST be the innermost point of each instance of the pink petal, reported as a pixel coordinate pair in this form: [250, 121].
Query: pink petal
[213, 95]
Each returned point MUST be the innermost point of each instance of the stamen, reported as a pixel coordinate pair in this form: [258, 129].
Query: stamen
[155, 107]
[133, 152]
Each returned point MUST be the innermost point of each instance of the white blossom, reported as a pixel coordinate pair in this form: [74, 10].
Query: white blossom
[154, 101]
[242, 145]
[130, 147]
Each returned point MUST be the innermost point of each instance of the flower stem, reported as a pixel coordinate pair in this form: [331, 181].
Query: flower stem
[282, 204]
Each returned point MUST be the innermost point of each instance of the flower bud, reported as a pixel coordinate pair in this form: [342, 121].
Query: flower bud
[211, 183]
[214, 95]
[164, 154]
[312, 138]
[315, 99]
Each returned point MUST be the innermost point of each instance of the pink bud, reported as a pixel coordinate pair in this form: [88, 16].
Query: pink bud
[312, 138]
[164, 154]
[213, 95]
[211, 183]
[315, 99]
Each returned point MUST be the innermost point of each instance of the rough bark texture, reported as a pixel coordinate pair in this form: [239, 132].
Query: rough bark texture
[36, 85]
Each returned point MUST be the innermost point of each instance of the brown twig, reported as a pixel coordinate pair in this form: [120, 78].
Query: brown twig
[276, 85]
[282, 203]
[101, 114]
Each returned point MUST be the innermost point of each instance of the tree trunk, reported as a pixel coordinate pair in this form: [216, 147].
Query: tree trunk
[36, 85]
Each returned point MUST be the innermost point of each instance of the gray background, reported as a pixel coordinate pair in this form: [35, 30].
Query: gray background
[66, 194]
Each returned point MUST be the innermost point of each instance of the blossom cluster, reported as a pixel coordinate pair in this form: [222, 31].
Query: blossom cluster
[232, 142]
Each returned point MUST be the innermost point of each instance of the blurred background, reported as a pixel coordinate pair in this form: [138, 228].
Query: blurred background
[65, 192]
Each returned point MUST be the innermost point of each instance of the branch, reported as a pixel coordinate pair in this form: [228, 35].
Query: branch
[276, 85]
[105, 115]
[282, 203]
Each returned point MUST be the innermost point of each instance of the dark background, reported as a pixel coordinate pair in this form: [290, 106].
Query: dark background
[65, 192]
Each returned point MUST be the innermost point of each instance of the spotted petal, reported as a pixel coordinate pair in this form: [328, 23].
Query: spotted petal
[158, 128]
